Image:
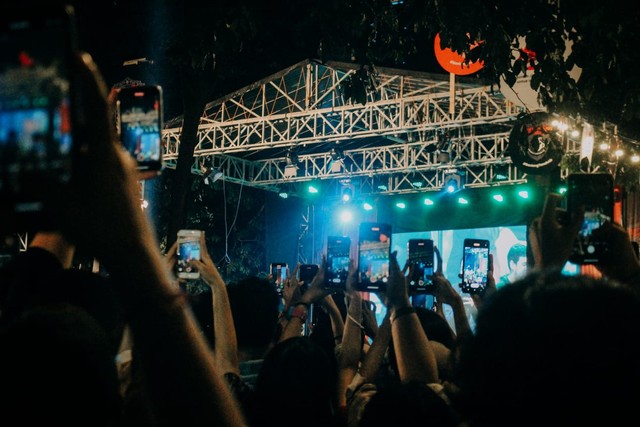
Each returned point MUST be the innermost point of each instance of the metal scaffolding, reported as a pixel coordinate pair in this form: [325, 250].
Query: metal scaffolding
[332, 121]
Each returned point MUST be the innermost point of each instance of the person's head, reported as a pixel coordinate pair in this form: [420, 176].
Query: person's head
[554, 346]
[57, 366]
[517, 259]
[296, 383]
[254, 305]
[408, 404]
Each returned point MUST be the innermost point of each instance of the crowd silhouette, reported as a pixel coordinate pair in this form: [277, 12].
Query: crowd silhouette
[79, 348]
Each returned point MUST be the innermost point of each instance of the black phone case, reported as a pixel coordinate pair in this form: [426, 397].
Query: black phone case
[420, 257]
[475, 266]
[337, 266]
[594, 191]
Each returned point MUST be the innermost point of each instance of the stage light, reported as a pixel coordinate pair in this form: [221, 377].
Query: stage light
[337, 159]
[428, 202]
[501, 172]
[283, 194]
[463, 201]
[524, 194]
[401, 205]
[347, 194]
[346, 216]
[498, 198]
[452, 183]
[562, 190]
[367, 206]
[313, 189]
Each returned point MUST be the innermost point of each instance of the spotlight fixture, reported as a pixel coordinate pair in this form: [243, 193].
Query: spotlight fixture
[291, 168]
[209, 173]
[337, 159]
[500, 172]
[451, 183]
[347, 193]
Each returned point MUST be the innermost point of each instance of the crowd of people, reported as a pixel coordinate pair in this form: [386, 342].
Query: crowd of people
[82, 349]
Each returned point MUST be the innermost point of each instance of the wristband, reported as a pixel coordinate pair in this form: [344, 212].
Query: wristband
[295, 311]
[402, 312]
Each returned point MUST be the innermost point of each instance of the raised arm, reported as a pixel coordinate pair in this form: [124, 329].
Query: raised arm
[102, 214]
[414, 355]
[226, 343]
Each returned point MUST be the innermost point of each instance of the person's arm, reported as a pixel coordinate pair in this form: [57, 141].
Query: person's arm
[621, 264]
[414, 355]
[101, 213]
[226, 343]
[296, 314]
[351, 347]
[337, 322]
[55, 243]
[551, 241]
[374, 357]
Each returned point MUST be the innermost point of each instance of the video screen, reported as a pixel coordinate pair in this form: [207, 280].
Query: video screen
[507, 244]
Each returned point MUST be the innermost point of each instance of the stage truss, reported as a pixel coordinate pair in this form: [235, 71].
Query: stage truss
[291, 128]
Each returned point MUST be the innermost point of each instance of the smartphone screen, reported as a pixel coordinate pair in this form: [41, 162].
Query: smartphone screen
[140, 125]
[475, 266]
[279, 275]
[374, 248]
[594, 191]
[36, 108]
[420, 258]
[188, 249]
[338, 257]
[306, 273]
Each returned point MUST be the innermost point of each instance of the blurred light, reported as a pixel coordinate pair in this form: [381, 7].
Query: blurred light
[524, 194]
[312, 189]
[501, 172]
[452, 183]
[346, 215]
[283, 194]
[619, 153]
[367, 206]
[428, 202]
[347, 193]
[401, 205]
[498, 198]
[604, 146]
[463, 201]
[144, 204]
[635, 158]
[562, 190]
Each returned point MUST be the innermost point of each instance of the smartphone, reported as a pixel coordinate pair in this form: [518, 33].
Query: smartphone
[140, 121]
[279, 275]
[306, 273]
[337, 263]
[420, 261]
[374, 249]
[37, 108]
[475, 266]
[188, 249]
[594, 191]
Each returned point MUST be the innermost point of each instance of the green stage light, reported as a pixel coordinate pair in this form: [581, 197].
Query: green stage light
[367, 206]
[401, 205]
[498, 198]
[312, 189]
[463, 201]
[524, 194]
[428, 202]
